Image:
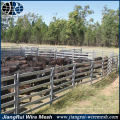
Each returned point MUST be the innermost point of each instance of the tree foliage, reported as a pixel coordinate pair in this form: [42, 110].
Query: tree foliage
[31, 28]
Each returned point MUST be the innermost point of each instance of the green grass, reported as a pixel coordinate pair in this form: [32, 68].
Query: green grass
[82, 93]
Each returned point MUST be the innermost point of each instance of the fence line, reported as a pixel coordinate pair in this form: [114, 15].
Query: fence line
[53, 53]
[72, 73]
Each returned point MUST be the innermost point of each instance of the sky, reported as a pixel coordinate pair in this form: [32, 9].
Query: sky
[61, 9]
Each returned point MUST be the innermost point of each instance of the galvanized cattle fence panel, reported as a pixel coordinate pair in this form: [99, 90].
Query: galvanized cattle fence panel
[53, 53]
[70, 83]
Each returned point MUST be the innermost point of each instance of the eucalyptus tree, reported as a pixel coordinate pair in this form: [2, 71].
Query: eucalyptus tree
[76, 24]
[110, 27]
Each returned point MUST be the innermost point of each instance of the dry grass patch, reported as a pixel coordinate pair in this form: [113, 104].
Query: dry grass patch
[86, 99]
[86, 48]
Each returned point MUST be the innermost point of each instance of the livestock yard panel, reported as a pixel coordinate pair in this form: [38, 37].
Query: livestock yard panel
[53, 52]
[28, 83]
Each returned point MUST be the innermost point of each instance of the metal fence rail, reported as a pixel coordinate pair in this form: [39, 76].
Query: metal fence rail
[52, 52]
[48, 83]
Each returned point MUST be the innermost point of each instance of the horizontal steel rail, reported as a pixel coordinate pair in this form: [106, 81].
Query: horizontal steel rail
[98, 61]
[34, 73]
[27, 111]
[95, 66]
[35, 80]
[7, 87]
[7, 104]
[61, 79]
[80, 69]
[7, 95]
[74, 55]
[45, 53]
[105, 63]
[81, 78]
[77, 53]
[65, 66]
[33, 88]
[65, 83]
[35, 94]
[83, 63]
[33, 102]
[62, 73]
[105, 67]
[82, 73]
[3, 79]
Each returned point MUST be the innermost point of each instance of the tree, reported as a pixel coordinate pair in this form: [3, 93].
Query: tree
[76, 24]
[110, 27]
[77, 30]
[56, 29]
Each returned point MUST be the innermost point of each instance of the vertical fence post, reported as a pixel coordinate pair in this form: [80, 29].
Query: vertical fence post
[31, 51]
[91, 72]
[108, 66]
[81, 50]
[73, 75]
[37, 51]
[102, 74]
[62, 53]
[24, 51]
[55, 54]
[16, 90]
[111, 59]
[73, 55]
[51, 84]
[15, 80]
[93, 55]
[50, 51]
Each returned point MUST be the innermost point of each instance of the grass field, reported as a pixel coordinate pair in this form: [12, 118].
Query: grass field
[100, 98]
[116, 50]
